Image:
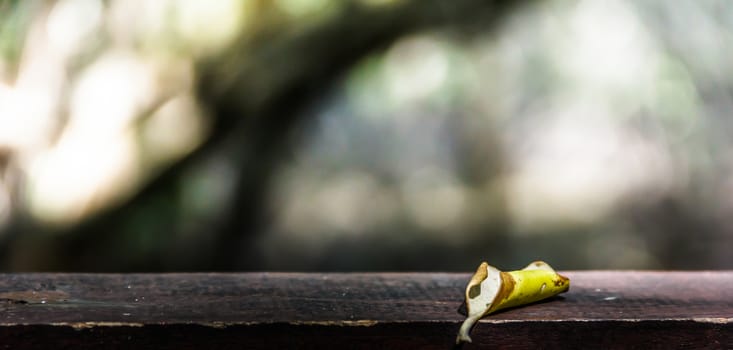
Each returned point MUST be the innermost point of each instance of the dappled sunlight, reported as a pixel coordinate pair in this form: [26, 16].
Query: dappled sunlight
[71, 22]
[173, 130]
[276, 130]
[117, 86]
[36, 127]
[415, 68]
[79, 174]
[86, 136]
[207, 25]
[96, 160]
[586, 108]
[577, 165]
[606, 47]
[190, 26]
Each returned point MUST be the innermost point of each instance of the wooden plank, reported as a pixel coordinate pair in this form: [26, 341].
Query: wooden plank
[388, 310]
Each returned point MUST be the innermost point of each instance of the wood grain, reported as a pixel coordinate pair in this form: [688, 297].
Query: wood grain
[382, 310]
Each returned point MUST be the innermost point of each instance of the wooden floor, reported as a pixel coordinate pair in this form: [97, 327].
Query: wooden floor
[375, 310]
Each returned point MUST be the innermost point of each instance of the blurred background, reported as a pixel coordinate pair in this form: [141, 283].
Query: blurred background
[335, 135]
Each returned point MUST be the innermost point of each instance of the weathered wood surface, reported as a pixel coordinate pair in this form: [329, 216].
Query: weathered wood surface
[378, 310]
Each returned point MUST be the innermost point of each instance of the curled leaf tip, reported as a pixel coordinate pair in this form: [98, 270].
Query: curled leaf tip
[490, 290]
